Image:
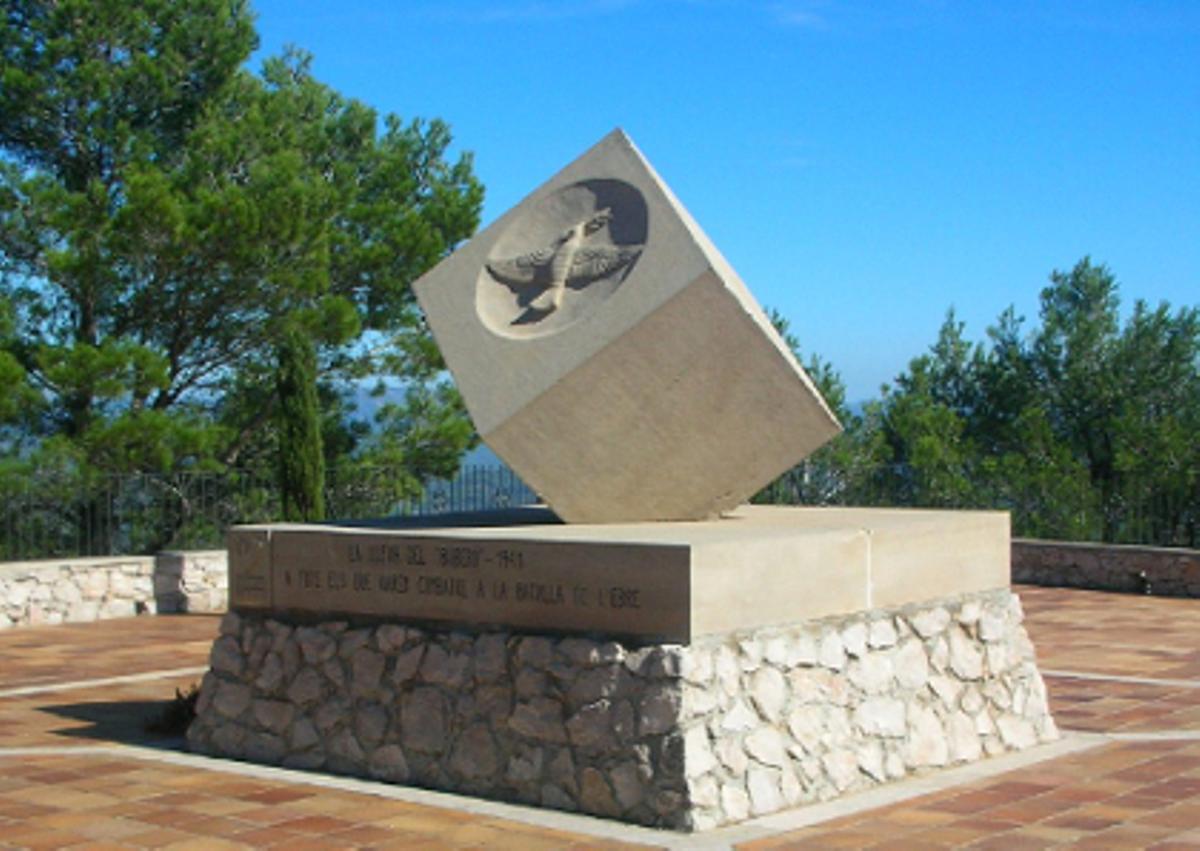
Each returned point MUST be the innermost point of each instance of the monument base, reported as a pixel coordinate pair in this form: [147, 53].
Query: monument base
[698, 715]
[684, 737]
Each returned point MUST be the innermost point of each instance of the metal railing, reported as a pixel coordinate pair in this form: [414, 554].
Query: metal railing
[47, 516]
[1131, 510]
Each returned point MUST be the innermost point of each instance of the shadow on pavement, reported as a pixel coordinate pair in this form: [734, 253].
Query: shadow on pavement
[118, 721]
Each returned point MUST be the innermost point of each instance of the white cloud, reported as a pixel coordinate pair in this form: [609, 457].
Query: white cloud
[807, 14]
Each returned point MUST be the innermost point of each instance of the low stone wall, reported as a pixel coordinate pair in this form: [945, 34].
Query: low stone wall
[192, 581]
[74, 590]
[686, 737]
[1107, 567]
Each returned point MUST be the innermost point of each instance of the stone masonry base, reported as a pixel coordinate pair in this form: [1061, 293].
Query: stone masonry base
[686, 737]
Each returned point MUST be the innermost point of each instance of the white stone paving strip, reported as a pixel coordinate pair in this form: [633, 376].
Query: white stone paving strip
[1117, 678]
[721, 838]
[48, 688]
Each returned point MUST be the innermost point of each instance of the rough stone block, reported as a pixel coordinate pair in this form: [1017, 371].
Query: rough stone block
[612, 357]
[669, 748]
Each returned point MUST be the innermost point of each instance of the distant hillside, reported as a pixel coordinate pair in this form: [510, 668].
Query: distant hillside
[366, 406]
[482, 456]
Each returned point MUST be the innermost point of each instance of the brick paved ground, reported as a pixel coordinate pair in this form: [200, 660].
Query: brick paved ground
[75, 770]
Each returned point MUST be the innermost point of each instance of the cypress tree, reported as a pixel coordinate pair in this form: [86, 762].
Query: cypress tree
[301, 453]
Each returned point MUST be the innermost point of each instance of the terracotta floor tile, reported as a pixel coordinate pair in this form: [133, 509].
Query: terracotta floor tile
[130, 809]
[474, 833]
[176, 799]
[1110, 809]
[1057, 835]
[364, 834]
[1081, 822]
[215, 826]
[968, 802]
[1174, 789]
[1016, 790]
[779, 840]
[533, 840]
[835, 839]
[382, 808]
[1032, 810]
[66, 819]
[317, 824]
[37, 839]
[156, 837]
[281, 795]
[1139, 801]
[351, 808]
[160, 816]
[1115, 795]
[318, 843]
[985, 824]
[270, 815]
[433, 822]
[415, 843]
[206, 843]
[1079, 795]
[1011, 841]
[222, 806]
[950, 836]
[914, 817]
[1186, 816]
[265, 837]
[1119, 838]
[110, 828]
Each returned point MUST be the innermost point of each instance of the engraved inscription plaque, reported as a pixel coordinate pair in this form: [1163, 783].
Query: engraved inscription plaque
[250, 568]
[613, 588]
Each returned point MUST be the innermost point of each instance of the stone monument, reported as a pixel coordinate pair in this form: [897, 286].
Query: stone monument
[668, 656]
[598, 337]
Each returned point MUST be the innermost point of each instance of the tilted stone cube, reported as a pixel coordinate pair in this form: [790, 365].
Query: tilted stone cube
[611, 356]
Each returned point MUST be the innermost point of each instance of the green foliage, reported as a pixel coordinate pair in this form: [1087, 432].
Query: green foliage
[837, 469]
[168, 219]
[18, 401]
[1081, 427]
[301, 454]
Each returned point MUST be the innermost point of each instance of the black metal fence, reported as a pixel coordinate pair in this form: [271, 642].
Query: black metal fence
[47, 516]
[1131, 510]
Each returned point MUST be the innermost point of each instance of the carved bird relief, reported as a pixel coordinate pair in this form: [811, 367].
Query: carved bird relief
[569, 261]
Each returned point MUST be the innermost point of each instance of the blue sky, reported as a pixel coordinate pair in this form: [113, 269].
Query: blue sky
[863, 165]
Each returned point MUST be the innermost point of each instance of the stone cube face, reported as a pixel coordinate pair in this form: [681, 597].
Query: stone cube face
[611, 356]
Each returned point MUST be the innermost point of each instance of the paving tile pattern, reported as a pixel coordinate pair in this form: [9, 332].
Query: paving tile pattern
[88, 716]
[1125, 795]
[32, 656]
[106, 802]
[1138, 793]
[1120, 634]
[1118, 707]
